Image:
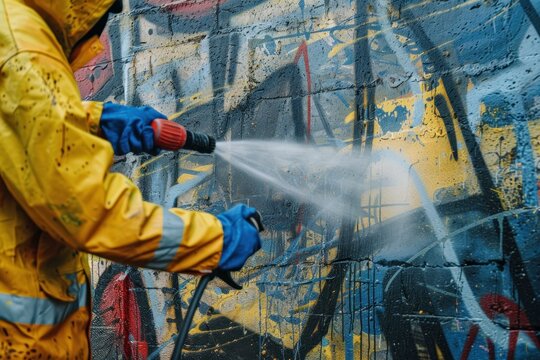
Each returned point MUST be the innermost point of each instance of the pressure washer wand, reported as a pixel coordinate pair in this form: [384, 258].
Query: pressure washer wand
[169, 135]
[256, 220]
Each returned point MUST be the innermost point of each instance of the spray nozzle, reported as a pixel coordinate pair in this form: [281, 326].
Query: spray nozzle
[202, 143]
[169, 135]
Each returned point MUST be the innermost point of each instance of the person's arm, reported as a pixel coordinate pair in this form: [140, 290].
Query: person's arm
[126, 128]
[93, 111]
[58, 171]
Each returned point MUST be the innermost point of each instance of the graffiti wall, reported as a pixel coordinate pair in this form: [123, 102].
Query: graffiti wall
[446, 91]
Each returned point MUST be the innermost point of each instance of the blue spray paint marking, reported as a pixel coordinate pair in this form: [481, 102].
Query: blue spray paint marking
[392, 121]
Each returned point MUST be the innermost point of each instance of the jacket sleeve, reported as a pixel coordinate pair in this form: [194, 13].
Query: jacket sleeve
[59, 173]
[93, 111]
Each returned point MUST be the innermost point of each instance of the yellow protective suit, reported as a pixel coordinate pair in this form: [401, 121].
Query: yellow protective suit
[57, 198]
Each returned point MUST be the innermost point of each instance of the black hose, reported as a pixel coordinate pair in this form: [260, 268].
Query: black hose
[202, 143]
[186, 324]
[254, 219]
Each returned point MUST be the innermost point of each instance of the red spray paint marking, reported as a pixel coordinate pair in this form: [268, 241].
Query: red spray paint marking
[493, 305]
[120, 311]
[86, 77]
[491, 349]
[303, 51]
[187, 7]
[471, 336]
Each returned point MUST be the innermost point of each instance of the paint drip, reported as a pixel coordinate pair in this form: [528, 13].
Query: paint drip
[328, 178]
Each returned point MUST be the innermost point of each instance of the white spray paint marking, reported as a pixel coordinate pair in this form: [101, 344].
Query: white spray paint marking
[403, 59]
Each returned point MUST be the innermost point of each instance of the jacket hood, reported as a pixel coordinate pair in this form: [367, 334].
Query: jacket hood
[70, 20]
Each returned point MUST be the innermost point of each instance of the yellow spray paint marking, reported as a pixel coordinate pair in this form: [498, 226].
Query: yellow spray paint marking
[499, 193]
[186, 177]
[534, 130]
[364, 344]
[340, 47]
[439, 352]
[305, 308]
[423, 148]
[194, 101]
[204, 168]
[195, 97]
[350, 117]
[501, 12]
[138, 176]
[498, 145]
[137, 173]
[444, 44]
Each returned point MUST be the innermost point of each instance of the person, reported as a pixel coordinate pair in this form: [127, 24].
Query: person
[57, 197]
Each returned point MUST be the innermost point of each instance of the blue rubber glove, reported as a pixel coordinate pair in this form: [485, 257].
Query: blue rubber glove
[128, 128]
[240, 237]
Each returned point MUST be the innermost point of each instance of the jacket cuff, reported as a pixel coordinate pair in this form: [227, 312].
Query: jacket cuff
[191, 242]
[93, 115]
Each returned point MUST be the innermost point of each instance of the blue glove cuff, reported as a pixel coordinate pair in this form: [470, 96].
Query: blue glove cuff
[128, 128]
[240, 237]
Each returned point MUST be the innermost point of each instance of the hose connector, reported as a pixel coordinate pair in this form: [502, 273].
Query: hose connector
[202, 143]
[169, 135]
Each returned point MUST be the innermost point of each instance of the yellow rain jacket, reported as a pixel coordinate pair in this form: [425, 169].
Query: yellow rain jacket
[57, 198]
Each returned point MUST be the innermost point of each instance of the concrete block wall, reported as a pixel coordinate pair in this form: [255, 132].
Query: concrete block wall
[447, 90]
